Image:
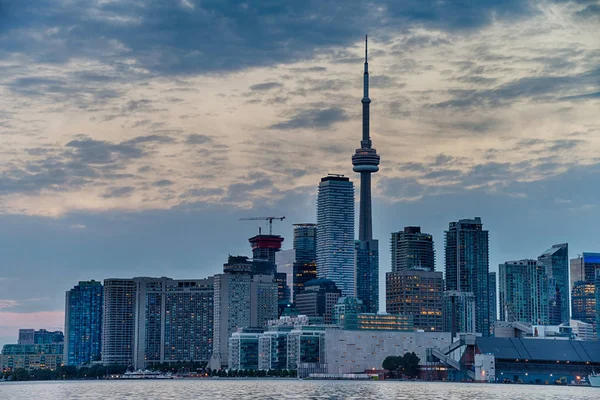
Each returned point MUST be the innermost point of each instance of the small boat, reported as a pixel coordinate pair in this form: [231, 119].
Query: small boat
[146, 374]
[594, 379]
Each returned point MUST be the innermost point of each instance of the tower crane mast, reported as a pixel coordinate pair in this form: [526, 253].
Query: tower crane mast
[270, 219]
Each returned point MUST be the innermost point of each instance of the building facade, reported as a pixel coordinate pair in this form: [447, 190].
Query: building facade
[583, 268]
[285, 265]
[305, 251]
[583, 302]
[467, 266]
[459, 311]
[523, 292]
[40, 336]
[83, 323]
[556, 263]
[412, 249]
[493, 290]
[335, 232]
[118, 321]
[418, 293]
[318, 299]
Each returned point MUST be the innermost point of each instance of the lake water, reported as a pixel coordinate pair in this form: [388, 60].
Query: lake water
[286, 389]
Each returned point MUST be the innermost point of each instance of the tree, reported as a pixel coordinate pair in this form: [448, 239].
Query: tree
[392, 363]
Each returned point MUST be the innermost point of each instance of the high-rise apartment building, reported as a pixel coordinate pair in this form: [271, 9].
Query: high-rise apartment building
[365, 161]
[556, 263]
[173, 320]
[305, 251]
[118, 321]
[412, 249]
[467, 266]
[583, 268]
[40, 336]
[583, 302]
[459, 311]
[335, 232]
[523, 290]
[83, 323]
[492, 283]
[417, 293]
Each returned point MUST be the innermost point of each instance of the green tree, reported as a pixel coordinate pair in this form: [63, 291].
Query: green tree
[410, 364]
[392, 364]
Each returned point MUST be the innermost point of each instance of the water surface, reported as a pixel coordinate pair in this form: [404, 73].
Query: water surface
[286, 389]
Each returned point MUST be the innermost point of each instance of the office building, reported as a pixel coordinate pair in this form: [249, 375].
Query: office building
[335, 232]
[83, 323]
[365, 161]
[118, 321]
[459, 312]
[284, 260]
[523, 290]
[583, 268]
[467, 266]
[417, 293]
[583, 302]
[318, 299]
[263, 300]
[40, 336]
[556, 263]
[305, 251]
[412, 249]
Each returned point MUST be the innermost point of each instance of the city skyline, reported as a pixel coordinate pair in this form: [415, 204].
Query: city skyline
[129, 161]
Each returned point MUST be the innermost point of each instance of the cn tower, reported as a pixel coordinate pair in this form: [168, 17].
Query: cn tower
[366, 161]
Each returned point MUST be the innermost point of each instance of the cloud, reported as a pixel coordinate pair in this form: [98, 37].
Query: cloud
[265, 86]
[198, 139]
[124, 191]
[313, 119]
[163, 183]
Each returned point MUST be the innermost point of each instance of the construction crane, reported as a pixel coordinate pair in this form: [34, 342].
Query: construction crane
[270, 219]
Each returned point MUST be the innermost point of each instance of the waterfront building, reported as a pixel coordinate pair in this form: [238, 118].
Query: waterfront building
[306, 349]
[243, 349]
[412, 249]
[273, 348]
[284, 260]
[417, 293]
[40, 336]
[318, 299]
[83, 323]
[10, 362]
[335, 232]
[597, 293]
[523, 290]
[556, 263]
[173, 321]
[118, 321]
[305, 252]
[46, 348]
[583, 268]
[467, 266]
[346, 310]
[459, 312]
[365, 161]
[583, 302]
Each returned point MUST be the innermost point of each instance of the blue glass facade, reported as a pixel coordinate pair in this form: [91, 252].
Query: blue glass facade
[83, 323]
[556, 262]
[305, 253]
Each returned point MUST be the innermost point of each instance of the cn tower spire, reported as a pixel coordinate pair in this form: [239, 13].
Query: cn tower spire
[366, 101]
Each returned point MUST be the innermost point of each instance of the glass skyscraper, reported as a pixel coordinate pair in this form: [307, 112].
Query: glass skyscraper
[335, 232]
[523, 292]
[467, 266]
[305, 250]
[83, 323]
[556, 263]
[412, 249]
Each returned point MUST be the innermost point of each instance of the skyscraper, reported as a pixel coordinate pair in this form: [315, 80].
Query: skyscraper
[556, 262]
[83, 323]
[412, 249]
[492, 282]
[366, 161]
[285, 264]
[583, 302]
[467, 266]
[305, 250]
[335, 232]
[583, 268]
[118, 321]
[459, 311]
[523, 289]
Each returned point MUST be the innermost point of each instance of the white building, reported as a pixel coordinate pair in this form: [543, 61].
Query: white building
[118, 321]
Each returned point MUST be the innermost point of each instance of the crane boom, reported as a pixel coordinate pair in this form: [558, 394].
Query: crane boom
[270, 219]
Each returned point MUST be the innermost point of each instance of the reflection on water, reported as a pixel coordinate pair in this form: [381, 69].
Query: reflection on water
[286, 389]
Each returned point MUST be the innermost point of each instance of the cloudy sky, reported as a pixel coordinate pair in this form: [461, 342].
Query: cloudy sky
[134, 134]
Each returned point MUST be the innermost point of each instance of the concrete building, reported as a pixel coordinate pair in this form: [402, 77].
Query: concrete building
[523, 290]
[263, 300]
[556, 263]
[118, 321]
[318, 299]
[459, 312]
[467, 266]
[335, 233]
[412, 249]
[305, 250]
[83, 323]
[417, 293]
[365, 161]
[173, 320]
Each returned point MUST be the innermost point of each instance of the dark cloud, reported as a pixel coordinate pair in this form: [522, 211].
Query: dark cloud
[564, 144]
[93, 151]
[313, 118]
[384, 81]
[265, 86]
[163, 183]
[123, 191]
[160, 139]
[198, 139]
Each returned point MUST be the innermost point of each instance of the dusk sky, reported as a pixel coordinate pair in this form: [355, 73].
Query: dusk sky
[134, 134]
